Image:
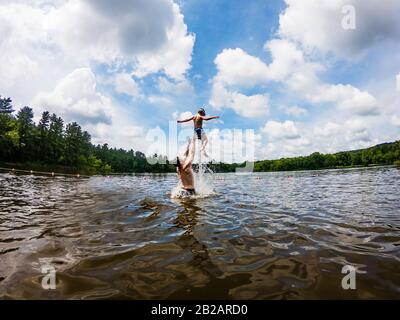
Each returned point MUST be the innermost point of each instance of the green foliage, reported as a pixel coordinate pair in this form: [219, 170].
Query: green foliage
[383, 154]
[6, 105]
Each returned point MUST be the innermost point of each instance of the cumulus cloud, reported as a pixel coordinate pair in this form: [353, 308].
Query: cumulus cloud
[288, 138]
[326, 130]
[76, 98]
[294, 111]
[160, 100]
[50, 39]
[174, 87]
[396, 121]
[291, 68]
[286, 58]
[150, 34]
[141, 26]
[281, 130]
[237, 67]
[347, 98]
[126, 85]
[318, 25]
[247, 106]
[174, 56]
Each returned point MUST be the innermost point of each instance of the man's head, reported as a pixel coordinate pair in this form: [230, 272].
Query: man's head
[201, 112]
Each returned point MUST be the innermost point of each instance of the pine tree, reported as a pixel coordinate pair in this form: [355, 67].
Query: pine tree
[6, 105]
[56, 139]
[44, 147]
[25, 131]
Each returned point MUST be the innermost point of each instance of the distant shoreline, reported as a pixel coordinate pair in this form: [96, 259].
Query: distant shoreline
[42, 169]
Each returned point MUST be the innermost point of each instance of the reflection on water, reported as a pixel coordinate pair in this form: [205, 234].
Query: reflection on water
[283, 236]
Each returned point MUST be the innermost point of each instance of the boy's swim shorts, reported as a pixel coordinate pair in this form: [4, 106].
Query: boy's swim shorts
[198, 131]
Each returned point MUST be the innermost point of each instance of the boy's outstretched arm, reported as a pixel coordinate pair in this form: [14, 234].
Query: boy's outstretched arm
[186, 120]
[210, 118]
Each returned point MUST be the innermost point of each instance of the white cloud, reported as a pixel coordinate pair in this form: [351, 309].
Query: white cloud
[150, 34]
[76, 98]
[327, 130]
[294, 111]
[318, 25]
[286, 59]
[396, 121]
[237, 67]
[160, 100]
[175, 55]
[247, 106]
[125, 84]
[288, 138]
[281, 130]
[174, 87]
[347, 98]
[250, 106]
[51, 39]
[290, 67]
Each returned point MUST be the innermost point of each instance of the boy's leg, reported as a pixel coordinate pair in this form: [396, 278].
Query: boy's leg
[204, 140]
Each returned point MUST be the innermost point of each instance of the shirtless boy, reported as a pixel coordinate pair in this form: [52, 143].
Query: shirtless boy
[198, 125]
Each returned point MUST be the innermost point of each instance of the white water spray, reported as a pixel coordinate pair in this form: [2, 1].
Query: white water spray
[202, 176]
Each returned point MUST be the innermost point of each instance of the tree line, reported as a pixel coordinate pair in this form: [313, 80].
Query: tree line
[53, 144]
[382, 154]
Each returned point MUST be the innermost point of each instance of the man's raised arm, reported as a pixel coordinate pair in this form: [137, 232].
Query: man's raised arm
[191, 148]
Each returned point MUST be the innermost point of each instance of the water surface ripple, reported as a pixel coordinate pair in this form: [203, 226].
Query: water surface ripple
[284, 236]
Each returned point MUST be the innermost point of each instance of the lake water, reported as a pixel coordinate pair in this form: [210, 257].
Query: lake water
[283, 235]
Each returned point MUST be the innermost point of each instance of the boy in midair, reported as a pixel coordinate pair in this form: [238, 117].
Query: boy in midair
[198, 125]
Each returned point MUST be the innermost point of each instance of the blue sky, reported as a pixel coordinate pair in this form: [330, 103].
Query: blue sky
[288, 70]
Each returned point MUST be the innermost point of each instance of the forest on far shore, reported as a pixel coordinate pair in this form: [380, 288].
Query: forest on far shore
[54, 145]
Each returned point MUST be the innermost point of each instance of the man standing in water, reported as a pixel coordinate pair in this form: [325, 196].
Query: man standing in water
[185, 171]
